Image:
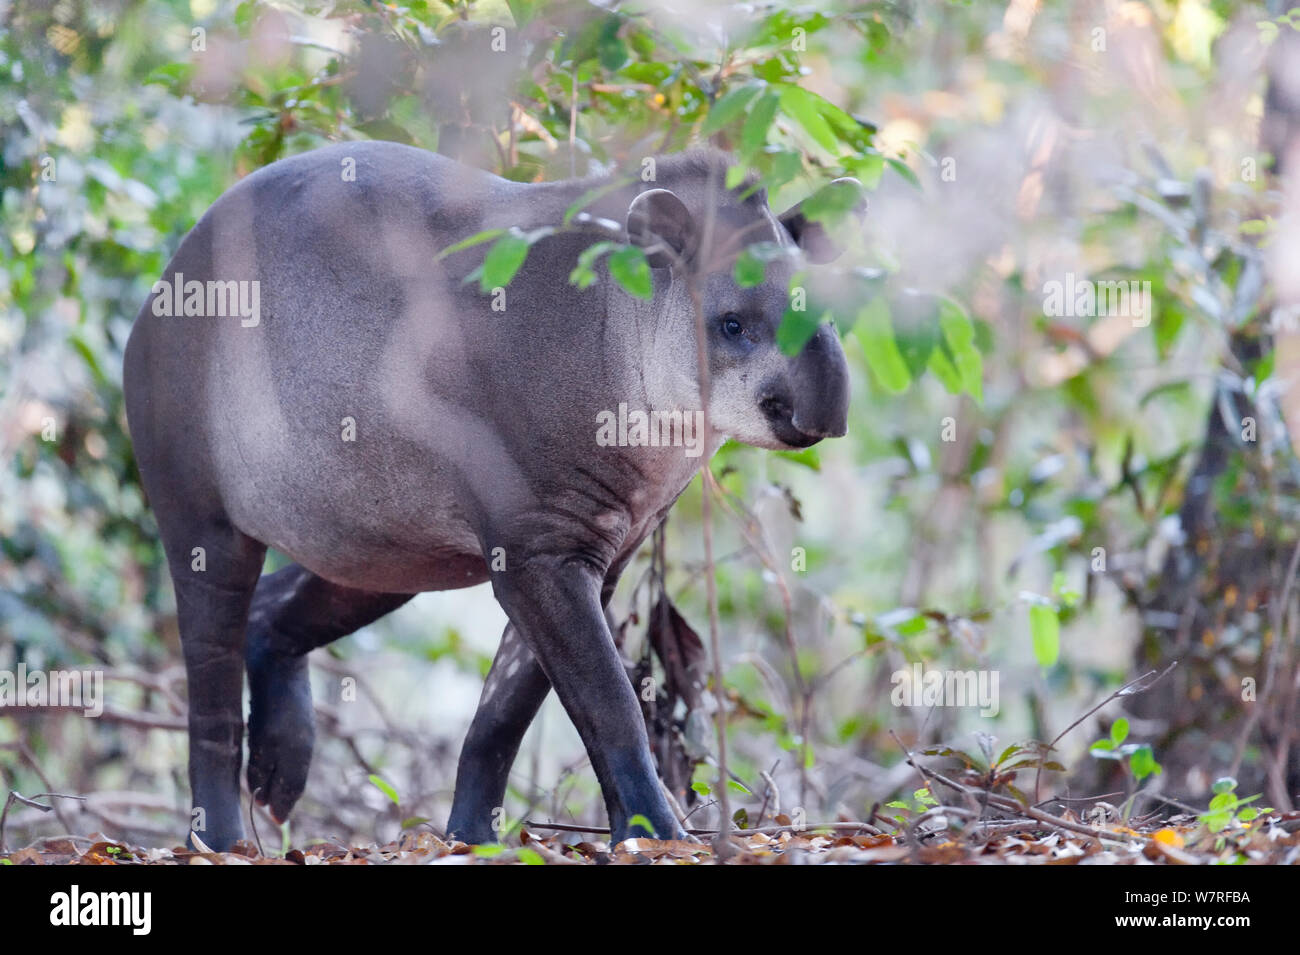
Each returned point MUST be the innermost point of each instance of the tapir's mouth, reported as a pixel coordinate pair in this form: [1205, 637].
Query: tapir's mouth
[780, 418]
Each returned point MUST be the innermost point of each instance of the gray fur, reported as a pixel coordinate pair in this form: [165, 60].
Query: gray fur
[474, 430]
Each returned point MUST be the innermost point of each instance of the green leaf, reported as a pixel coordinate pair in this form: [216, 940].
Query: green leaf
[959, 334]
[832, 202]
[916, 342]
[868, 168]
[245, 13]
[808, 457]
[92, 362]
[1007, 754]
[610, 49]
[805, 108]
[753, 134]
[584, 273]
[644, 823]
[174, 76]
[1045, 629]
[702, 788]
[488, 851]
[786, 165]
[728, 106]
[529, 856]
[1119, 731]
[479, 238]
[904, 170]
[503, 260]
[749, 269]
[521, 10]
[386, 129]
[631, 270]
[876, 335]
[796, 328]
[942, 368]
[384, 788]
[1224, 784]
[1143, 762]
[1222, 801]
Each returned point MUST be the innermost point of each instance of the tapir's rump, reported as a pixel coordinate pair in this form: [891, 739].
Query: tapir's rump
[313, 372]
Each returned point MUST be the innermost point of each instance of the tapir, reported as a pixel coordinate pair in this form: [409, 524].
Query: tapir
[319, 371]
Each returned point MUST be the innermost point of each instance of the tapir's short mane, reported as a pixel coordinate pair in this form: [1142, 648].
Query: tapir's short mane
[701, 165]
[741, 214]
[690, 170]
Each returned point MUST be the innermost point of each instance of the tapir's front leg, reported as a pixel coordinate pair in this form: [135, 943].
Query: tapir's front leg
[514, 689]
[555, 604]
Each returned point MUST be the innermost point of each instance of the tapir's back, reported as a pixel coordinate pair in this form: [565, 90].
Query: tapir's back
[315, 365]
[305, 354]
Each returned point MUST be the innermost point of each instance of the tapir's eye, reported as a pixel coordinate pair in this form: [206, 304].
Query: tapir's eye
[731, 325]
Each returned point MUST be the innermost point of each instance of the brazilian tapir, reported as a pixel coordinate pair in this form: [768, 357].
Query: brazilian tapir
[310, 374]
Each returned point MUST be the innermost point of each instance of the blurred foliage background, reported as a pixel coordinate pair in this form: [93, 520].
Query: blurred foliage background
[1065, 499]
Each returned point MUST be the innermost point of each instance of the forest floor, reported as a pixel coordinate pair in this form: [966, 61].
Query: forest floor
[1270, 840]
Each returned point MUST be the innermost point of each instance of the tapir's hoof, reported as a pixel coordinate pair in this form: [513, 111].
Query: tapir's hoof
[667, 829]
[474, 835]
[281, 728]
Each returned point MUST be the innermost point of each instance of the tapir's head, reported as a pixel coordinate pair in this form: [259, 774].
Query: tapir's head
[759, 395]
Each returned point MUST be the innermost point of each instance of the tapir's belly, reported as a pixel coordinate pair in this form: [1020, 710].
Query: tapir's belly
[367, 539]
[346, 491]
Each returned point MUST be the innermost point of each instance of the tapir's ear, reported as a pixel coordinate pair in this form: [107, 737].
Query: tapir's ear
[662, 226]
[833, 202]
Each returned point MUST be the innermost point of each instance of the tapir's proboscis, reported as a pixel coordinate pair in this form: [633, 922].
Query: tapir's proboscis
[314, 374]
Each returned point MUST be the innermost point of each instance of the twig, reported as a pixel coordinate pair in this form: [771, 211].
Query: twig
[765, 557]
[252, 823]
[673, 804]
[913, 827]
[720, 844]
[770, 791]
[1280, 614]
[30, 759]
[573, 126]
[1006, 804]
[15, 796]
[148, 721]
[1146, 681]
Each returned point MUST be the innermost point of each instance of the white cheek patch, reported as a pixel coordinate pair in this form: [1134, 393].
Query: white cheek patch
[734, 404]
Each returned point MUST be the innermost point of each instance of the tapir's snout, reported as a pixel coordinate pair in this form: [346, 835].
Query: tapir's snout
[821, 387]
[811, 400]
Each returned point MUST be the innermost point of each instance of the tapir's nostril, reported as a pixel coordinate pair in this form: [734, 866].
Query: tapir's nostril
[775, 407]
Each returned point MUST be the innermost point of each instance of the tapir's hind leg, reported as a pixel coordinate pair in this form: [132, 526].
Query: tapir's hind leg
[214, 570]
[293, 613]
